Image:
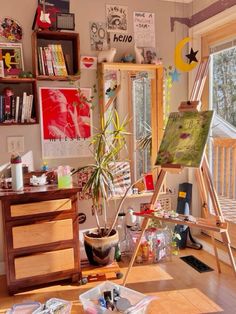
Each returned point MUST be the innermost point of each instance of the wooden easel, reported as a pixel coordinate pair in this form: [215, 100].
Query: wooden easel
[205, 185]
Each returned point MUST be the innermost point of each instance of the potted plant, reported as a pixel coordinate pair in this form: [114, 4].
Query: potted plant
[100, 243]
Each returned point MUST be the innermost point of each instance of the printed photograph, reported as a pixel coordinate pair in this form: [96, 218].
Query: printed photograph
[12, 56]
[117, 18]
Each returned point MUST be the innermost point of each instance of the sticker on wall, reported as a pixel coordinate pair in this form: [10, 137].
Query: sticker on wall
[122, 38]
[88, 63]
[99, 38]
[117, 18]
[181, 64]
[81, 218]
[10, 29]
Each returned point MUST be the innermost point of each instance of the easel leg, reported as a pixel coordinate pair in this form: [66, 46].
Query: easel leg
[226, 241]
[217, 209]
[143, 228]
[159, 184]
[203, 194]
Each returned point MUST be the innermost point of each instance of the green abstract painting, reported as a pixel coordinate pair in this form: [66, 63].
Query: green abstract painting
[185, 138]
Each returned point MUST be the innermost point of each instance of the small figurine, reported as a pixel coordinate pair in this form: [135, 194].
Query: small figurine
[138, 55]
[128, 58]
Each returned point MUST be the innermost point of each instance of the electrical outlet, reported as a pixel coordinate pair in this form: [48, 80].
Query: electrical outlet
[15, 144]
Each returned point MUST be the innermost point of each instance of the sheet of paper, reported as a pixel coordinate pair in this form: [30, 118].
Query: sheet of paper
[144, 29]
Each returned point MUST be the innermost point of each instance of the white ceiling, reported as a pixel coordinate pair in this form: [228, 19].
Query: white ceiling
[181, 1]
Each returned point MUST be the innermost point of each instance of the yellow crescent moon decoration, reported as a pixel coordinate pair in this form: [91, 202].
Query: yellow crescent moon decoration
[180, 64]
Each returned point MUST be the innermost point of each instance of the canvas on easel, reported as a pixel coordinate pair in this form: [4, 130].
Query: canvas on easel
[184, 139]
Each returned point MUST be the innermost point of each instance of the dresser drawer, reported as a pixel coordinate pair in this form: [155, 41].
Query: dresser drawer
[44, 263]
[42, 233]
[40, 207]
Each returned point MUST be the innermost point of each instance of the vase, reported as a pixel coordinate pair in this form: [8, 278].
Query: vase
[100, 251]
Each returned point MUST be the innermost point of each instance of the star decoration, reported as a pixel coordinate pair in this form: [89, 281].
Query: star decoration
[192, 56]
[175, 75]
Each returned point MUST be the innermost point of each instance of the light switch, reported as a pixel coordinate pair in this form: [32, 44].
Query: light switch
[15, 144]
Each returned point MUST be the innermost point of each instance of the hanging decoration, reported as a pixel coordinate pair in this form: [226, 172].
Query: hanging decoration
[180, 64]
[175, 75]
[192, 56]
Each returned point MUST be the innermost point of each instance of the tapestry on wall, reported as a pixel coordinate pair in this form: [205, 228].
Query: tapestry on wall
[66, 122]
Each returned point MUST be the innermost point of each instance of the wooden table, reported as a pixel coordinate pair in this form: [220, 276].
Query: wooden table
[41, 238]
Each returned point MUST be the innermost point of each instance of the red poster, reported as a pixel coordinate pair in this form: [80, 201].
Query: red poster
[65, 122]
[66, 113]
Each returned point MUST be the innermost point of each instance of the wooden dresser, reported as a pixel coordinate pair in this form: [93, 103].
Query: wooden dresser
[41, 235]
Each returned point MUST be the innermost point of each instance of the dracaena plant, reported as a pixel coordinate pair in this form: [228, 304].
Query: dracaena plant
[107, 145]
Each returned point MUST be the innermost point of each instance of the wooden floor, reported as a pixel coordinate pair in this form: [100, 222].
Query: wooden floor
[179, 288]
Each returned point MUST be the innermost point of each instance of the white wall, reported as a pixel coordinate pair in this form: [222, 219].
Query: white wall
[86, 11]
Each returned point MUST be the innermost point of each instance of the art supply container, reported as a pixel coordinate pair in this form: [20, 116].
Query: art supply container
[64, 177]
[16, 173]
[89, 299]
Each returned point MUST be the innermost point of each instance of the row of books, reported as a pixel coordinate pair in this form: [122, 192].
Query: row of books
[16, 109]
[51, 60]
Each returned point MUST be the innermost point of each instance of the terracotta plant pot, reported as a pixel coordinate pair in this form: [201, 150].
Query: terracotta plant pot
[100, 251]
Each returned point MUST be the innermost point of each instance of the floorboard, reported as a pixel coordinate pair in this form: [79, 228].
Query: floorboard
[179, 288]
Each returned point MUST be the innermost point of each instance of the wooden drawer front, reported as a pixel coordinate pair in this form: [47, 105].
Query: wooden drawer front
[42, 233]
[44, 263]
[40, 207]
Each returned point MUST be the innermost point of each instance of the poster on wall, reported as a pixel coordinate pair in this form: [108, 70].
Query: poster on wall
[117, 18]
[66, 122]
[144, 29]
[99, 39]
[52, 7]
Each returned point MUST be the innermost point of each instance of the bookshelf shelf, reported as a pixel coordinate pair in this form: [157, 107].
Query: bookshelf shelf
[45, 65]
[24, 92]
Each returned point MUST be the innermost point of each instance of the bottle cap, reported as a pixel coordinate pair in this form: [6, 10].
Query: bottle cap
[15, 158]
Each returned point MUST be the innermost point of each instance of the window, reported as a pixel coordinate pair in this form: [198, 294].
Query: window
[223, 81]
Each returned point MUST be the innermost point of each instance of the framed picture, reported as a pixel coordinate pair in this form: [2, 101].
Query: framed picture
[12, 56]
[66, 122]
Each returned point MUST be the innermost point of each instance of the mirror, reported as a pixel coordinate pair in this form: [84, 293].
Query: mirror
[136, 92]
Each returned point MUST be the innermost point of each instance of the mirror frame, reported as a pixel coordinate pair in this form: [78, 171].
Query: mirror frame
[157, 121]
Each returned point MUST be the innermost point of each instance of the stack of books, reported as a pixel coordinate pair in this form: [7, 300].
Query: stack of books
[51, 60]
[16, 109]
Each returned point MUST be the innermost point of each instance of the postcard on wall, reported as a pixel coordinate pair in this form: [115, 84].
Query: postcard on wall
[184, 139]
[12, 56]
[117, 18]
[66, 122]
[99, 38]
[144, 29]
[88, 63]
[52, 7]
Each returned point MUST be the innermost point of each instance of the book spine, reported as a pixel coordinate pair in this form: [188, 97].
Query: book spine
[17, 108]
[54, 59]
[43, 60]
[40, 61]
[61, 60]
[24, 104]
[1, 109]
[48, 56]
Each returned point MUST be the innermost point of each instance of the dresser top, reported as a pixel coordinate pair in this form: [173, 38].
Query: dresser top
[37, 191]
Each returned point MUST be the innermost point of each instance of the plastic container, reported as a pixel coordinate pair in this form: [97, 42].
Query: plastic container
[24, 308]
[90, 298]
